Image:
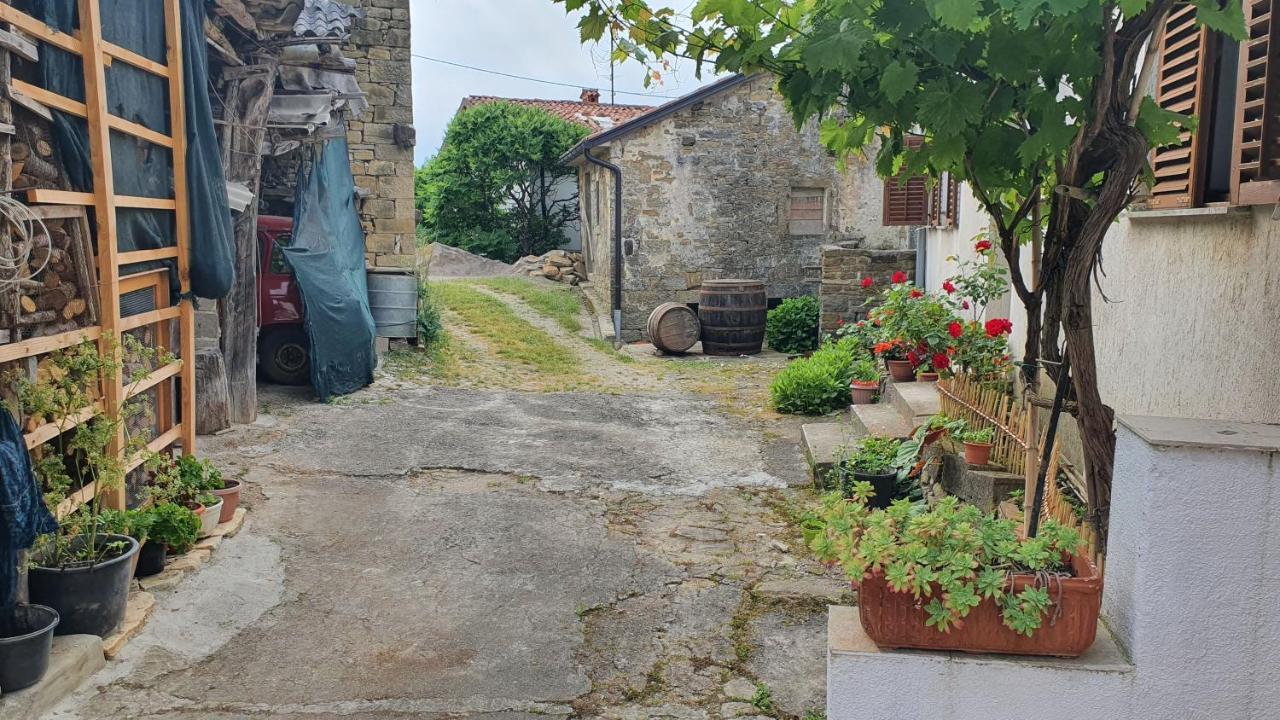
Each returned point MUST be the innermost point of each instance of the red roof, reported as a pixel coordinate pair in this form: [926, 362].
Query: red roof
[596, 117]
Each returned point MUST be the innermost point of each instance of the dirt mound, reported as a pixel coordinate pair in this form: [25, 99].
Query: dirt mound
[445, 261]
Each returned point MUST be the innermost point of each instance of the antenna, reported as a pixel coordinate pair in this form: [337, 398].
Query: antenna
[613, 100]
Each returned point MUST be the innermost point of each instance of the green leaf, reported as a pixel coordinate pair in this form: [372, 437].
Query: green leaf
[898, 79]
[592, 26]
[949, 102]
[1131, 8]
[1161, 127]
[836, 51]
[1228, 19]
[955, 14]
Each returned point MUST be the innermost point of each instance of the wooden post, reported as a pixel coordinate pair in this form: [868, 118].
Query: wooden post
[182, 223]
[247, 95]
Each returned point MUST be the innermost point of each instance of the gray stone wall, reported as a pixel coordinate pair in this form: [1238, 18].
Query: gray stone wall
[381, 164]
[707, 193]
[844, 266]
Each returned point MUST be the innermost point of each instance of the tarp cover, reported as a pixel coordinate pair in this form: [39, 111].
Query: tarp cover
[23, 514]
[138, 167]
[327, 256]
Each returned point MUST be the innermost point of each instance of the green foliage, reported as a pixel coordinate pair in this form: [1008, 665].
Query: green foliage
[430, 326]
[818, 384]
[865, 369]
[792, 326]
[552, 300]
[492, 188]
[173, 526]
[763, 698]
[977, 436]
[186, 481]
[950, 557]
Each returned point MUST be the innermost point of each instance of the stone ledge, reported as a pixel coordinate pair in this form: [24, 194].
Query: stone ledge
[879, 420]
[821, 441]
[915, 401]
[73, 660]
[135, 616]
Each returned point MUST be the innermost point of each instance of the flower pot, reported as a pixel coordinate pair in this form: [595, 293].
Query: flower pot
[977, 453]
[885, 485]
[150, 559]
[26, 637]
[900, 370]
[230, 496]
[926, 377]
[90, 599]
[896, 620]
[209, 518]
[863, 393]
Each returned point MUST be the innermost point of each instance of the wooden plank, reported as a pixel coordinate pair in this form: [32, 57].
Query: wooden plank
[154, 378]
[145, 203]
[178, 126]
[39, 30]
[137, 256]
[78, 498]
[142, 63]
[49, 431]
[148, 318]
[47, 344]
[160, 442]
[19, 45]
[45, 97]
[71, 197]
[139, 131]
[137, 281]
[56, 212]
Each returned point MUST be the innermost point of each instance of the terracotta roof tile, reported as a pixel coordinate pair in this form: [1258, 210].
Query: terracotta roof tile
[596, 117]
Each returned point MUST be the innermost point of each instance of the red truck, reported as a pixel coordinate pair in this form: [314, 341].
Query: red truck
[283, 348]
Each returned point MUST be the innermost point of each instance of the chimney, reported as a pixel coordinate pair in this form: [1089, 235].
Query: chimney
[590, 95]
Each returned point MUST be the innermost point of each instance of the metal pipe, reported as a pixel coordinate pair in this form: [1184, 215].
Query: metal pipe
[616, 290]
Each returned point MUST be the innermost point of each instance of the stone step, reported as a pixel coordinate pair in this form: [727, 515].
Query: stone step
[879, 420]
[822, 441]
[914, 401]
[73, 659]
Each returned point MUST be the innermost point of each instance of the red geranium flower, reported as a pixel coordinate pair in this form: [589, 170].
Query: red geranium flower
[915, 293]
[948, 286]
[839, 322]
[982, 246]
[899, 277]
[912, 357]
[940, 361]
[955, 329]
[998, 326]
[965, 304]
[867, 282]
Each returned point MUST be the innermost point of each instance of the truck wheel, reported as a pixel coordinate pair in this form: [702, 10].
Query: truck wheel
[284, 355]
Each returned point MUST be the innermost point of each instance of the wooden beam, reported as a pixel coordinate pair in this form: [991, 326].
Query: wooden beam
[39, 30]
[137, 256]
[132, 58]
[49, 431]
[45, 97]
[137, 281]
[154, 378]
[182, 225]
[47, 344]
[19, 45]
[78, 498]
[70, 197]
[56, 212]
[161, 442]
[116, 122]
[150, 317]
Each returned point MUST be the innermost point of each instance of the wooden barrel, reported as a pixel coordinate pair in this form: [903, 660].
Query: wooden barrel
[732, 313]
[673, 328]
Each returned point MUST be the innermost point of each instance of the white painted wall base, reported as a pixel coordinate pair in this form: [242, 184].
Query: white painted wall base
[1192, 581]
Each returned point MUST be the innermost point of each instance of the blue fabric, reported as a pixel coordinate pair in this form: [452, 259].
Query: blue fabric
[23, 515]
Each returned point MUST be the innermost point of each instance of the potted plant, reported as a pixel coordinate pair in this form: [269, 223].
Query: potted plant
[26, 639]
[866, 381]
[977, 445]
[894, 354]
[954, 578]
[202, 474]
[925, 372]
[872, 460]
[187, 482]
[173, 529]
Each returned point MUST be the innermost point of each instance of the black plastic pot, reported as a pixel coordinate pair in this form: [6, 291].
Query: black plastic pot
[886, 487]
[26, 636]
[90, 599]
[150, 559]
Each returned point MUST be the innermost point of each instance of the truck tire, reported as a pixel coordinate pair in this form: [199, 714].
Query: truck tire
[284, 355]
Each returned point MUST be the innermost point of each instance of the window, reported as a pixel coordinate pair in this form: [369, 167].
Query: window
[278, 265]
[807, 211]
[906, 202]
[944, 202]
[1234, 89]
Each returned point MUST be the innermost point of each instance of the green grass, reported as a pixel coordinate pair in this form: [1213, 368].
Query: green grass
[512, 338]
[556, 302]
[440, 360]
[606, 347]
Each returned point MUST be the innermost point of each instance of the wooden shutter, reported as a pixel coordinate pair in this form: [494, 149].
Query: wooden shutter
[1183, 85]
[1255, 177]
[943, 202]
[906, 202]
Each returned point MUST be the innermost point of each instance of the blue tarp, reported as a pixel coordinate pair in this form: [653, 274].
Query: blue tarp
[327, 256]
[23, 515]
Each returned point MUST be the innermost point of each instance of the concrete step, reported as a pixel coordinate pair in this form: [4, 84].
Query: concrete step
[880, 420]
[914, 401]
[73, 659]
[821, 443]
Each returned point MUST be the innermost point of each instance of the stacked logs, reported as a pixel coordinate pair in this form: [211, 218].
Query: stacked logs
[59, 296]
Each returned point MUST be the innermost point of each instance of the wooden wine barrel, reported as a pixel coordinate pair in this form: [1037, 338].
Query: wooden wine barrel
[732, 313]
[673, 328]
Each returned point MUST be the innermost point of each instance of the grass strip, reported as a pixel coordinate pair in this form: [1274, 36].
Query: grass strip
[556, 302]
[512, 338]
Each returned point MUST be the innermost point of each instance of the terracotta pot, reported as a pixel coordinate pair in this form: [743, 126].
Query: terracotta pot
[977, 453]
[863, 393]
[230, 494]
[926, 377]
[900, 370]
[896, 620]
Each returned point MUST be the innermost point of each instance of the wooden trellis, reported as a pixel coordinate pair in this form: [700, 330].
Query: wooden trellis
[175, 379]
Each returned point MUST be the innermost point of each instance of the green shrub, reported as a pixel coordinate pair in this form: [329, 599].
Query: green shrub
[792, 327]
[173, 526]
[818, 384]
[430, 326]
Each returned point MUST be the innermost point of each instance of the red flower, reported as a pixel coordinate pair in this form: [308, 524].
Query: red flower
[839, 322]
[955, 329]
[998, 326]
[867, 282]
[899, 277]
[965, 304]
[913, 358]
[982, 246]
[940, 361]
[915, 293]
[948, 286]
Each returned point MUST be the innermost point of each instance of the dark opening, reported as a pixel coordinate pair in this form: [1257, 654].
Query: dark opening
[1222, 119]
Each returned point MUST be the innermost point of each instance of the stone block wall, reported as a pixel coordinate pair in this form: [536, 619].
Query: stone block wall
[844, 265]
[381, 141]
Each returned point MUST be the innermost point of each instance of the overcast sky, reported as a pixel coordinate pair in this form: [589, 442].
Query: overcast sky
[533, 38]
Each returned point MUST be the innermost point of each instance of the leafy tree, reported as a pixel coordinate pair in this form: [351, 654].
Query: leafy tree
[492, 187]
[1040, 105]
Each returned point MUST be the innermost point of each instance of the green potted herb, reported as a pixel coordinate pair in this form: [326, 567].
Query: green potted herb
[977, 445]
[172, 529]
[866, 381]
[872, 460]
[186, 481]
[953, 578]
[203, 474]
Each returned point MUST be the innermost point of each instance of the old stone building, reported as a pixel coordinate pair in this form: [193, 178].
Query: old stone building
[720, 184]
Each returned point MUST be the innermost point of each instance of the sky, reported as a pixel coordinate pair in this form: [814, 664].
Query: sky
[533, 38]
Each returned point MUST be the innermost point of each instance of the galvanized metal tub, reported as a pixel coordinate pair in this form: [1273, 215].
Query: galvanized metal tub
[393, 302]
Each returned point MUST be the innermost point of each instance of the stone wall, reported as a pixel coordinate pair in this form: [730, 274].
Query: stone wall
[382, 139]
[726, 187]
[844, 265]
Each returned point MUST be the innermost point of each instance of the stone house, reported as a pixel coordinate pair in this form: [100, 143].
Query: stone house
[720, 184]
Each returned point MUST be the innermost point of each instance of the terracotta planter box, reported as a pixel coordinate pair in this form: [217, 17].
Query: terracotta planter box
[863, 393]
[901, 370]
[977, 453]
[895, 620]
[926, 377]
